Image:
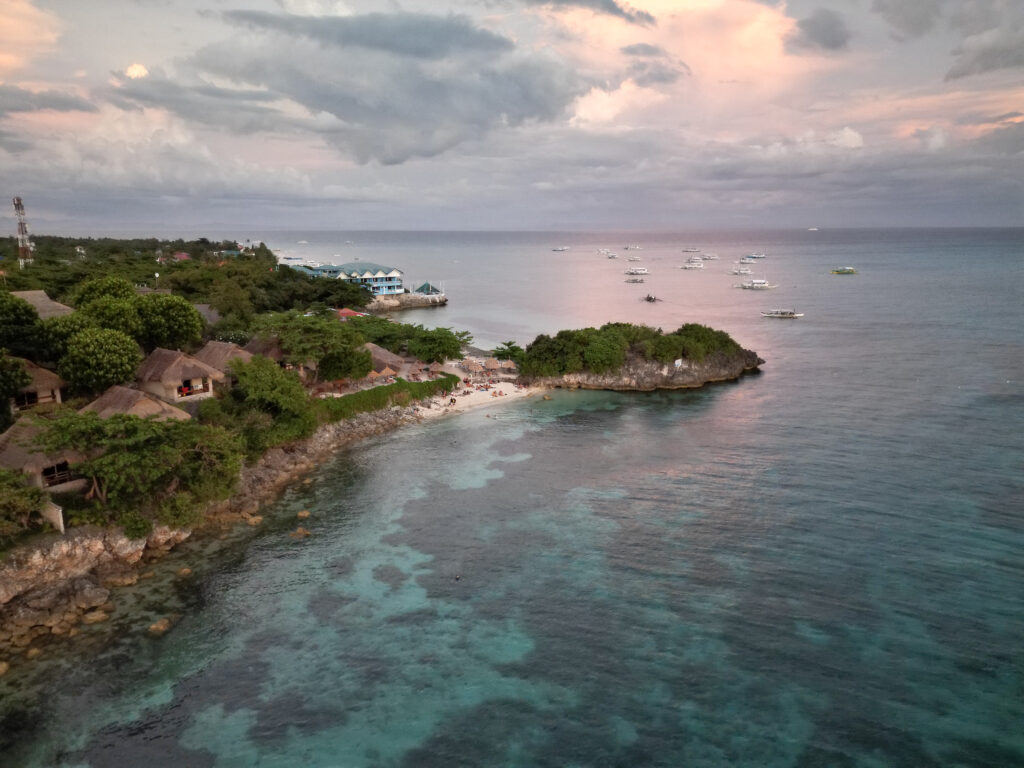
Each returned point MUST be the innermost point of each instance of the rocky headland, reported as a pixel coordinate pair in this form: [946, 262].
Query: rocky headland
[640, 375]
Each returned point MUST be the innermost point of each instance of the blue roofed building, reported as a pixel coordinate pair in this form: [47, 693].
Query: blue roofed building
[377, 278]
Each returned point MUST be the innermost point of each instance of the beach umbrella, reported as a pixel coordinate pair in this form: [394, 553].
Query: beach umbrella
[435, 368]
[508, 365]
[473, 367]
[492, 364]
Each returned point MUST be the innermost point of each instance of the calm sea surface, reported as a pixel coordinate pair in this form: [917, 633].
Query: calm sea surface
[820, 565]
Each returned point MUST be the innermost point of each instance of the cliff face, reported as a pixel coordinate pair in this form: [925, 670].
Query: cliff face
[639, 375]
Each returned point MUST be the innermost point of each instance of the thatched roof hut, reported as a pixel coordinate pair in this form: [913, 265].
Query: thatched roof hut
[171, 366]
[492, 364]
[132, 402]
[383, 358]
[44, 306]
[218, 354]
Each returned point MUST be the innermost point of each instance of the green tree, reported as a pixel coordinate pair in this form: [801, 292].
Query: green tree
[56, 331]
[314, 340]
[509, 350]
[98, 358]
[114, 313]
[111, 286]
[18, 503]
[141, 470]
[167, 321]
[437, 345]
[19, 326]
[13, 377]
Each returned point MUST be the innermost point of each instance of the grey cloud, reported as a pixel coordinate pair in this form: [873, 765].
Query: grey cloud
[647, 73]
[378, 106]
[405, 34]
[643, 49]
[1000, 48]
[610, 7]
[1008, 140]
[14, 99]
[241, 110]
[976, 119]
[824, 30]
[911, 18]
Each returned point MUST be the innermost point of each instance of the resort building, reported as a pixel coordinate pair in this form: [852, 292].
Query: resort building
[44, 306]
[378, 279]
[175, 377]
[132, 402]
[219, 354]
[52, 471]
[44, 389]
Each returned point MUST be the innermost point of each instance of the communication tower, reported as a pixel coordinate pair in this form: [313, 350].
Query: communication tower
[25, 246]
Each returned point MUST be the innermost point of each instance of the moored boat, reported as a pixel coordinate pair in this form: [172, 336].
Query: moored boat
[783, 314]
[757, 284]
[636, 271]
[844, 271]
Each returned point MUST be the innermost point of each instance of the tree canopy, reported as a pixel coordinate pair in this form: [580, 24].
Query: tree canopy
[13, 377]
[19, 502]
[98, 358]
[605, 349]
[19, 326]
[332, 348]
[159, 470]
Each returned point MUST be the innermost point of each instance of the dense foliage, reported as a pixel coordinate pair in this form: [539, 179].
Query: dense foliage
[605, 349]
[167, 321]
[319, 342]
[267, 406]
[98, 358]
[436, 345]
[402, 392]
[13, 377]
[141, 470]
[19, 325]
[18, 504]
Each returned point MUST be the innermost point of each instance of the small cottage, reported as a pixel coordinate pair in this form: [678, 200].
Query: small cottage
[44, 306]
[175, 377]
[219, 354]
[52, 471]
[133, 402]
[44, 389]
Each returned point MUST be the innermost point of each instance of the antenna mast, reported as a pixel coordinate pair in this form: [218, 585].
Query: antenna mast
[25, 246]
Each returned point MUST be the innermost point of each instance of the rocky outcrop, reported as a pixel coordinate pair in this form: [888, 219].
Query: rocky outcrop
[399, 301]
[47, 589]
[639, 375]
[278, 467]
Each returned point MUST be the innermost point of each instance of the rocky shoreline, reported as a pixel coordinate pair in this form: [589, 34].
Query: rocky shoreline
[639, 375]
[400, 301]
[48, 589]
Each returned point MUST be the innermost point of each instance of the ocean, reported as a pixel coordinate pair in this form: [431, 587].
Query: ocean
[818, 565]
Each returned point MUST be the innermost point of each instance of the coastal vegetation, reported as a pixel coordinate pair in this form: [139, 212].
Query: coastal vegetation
[433, 346]
[606, 349]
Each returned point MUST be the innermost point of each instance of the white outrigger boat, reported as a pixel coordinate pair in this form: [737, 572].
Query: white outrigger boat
[783, 314]
[742, 271]
[637, 271]
[757, 284]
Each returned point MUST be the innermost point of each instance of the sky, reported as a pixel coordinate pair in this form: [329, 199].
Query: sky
[189, 116]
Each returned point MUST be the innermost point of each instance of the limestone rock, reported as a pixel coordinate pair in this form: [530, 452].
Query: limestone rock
[91, 596]
[183, 572]
[254, 520]
[95, 617]
[302, 514]
[160, 626]
[300, 533]
[4, 666]
[33, 653]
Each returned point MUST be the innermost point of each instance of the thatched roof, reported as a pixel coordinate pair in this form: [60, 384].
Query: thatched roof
[492, 363]
[387, 371]
[383, 358]
[172, 367]
[269, 346]
[435, 368]
[19, 453]
[42, 379]
[132, 402]
[473, 367]
[44, 306]
[508, 365]
[219, 353]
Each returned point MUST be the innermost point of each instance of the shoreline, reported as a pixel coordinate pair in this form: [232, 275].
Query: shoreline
[54, 589]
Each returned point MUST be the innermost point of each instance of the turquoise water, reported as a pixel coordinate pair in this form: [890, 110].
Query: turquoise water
[819, 565]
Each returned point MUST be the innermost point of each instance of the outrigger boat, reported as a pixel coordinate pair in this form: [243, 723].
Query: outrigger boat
[784, 314]
[757, 284]
[844, 271]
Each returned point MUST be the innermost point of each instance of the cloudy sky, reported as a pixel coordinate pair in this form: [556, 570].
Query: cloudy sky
[181, 115]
